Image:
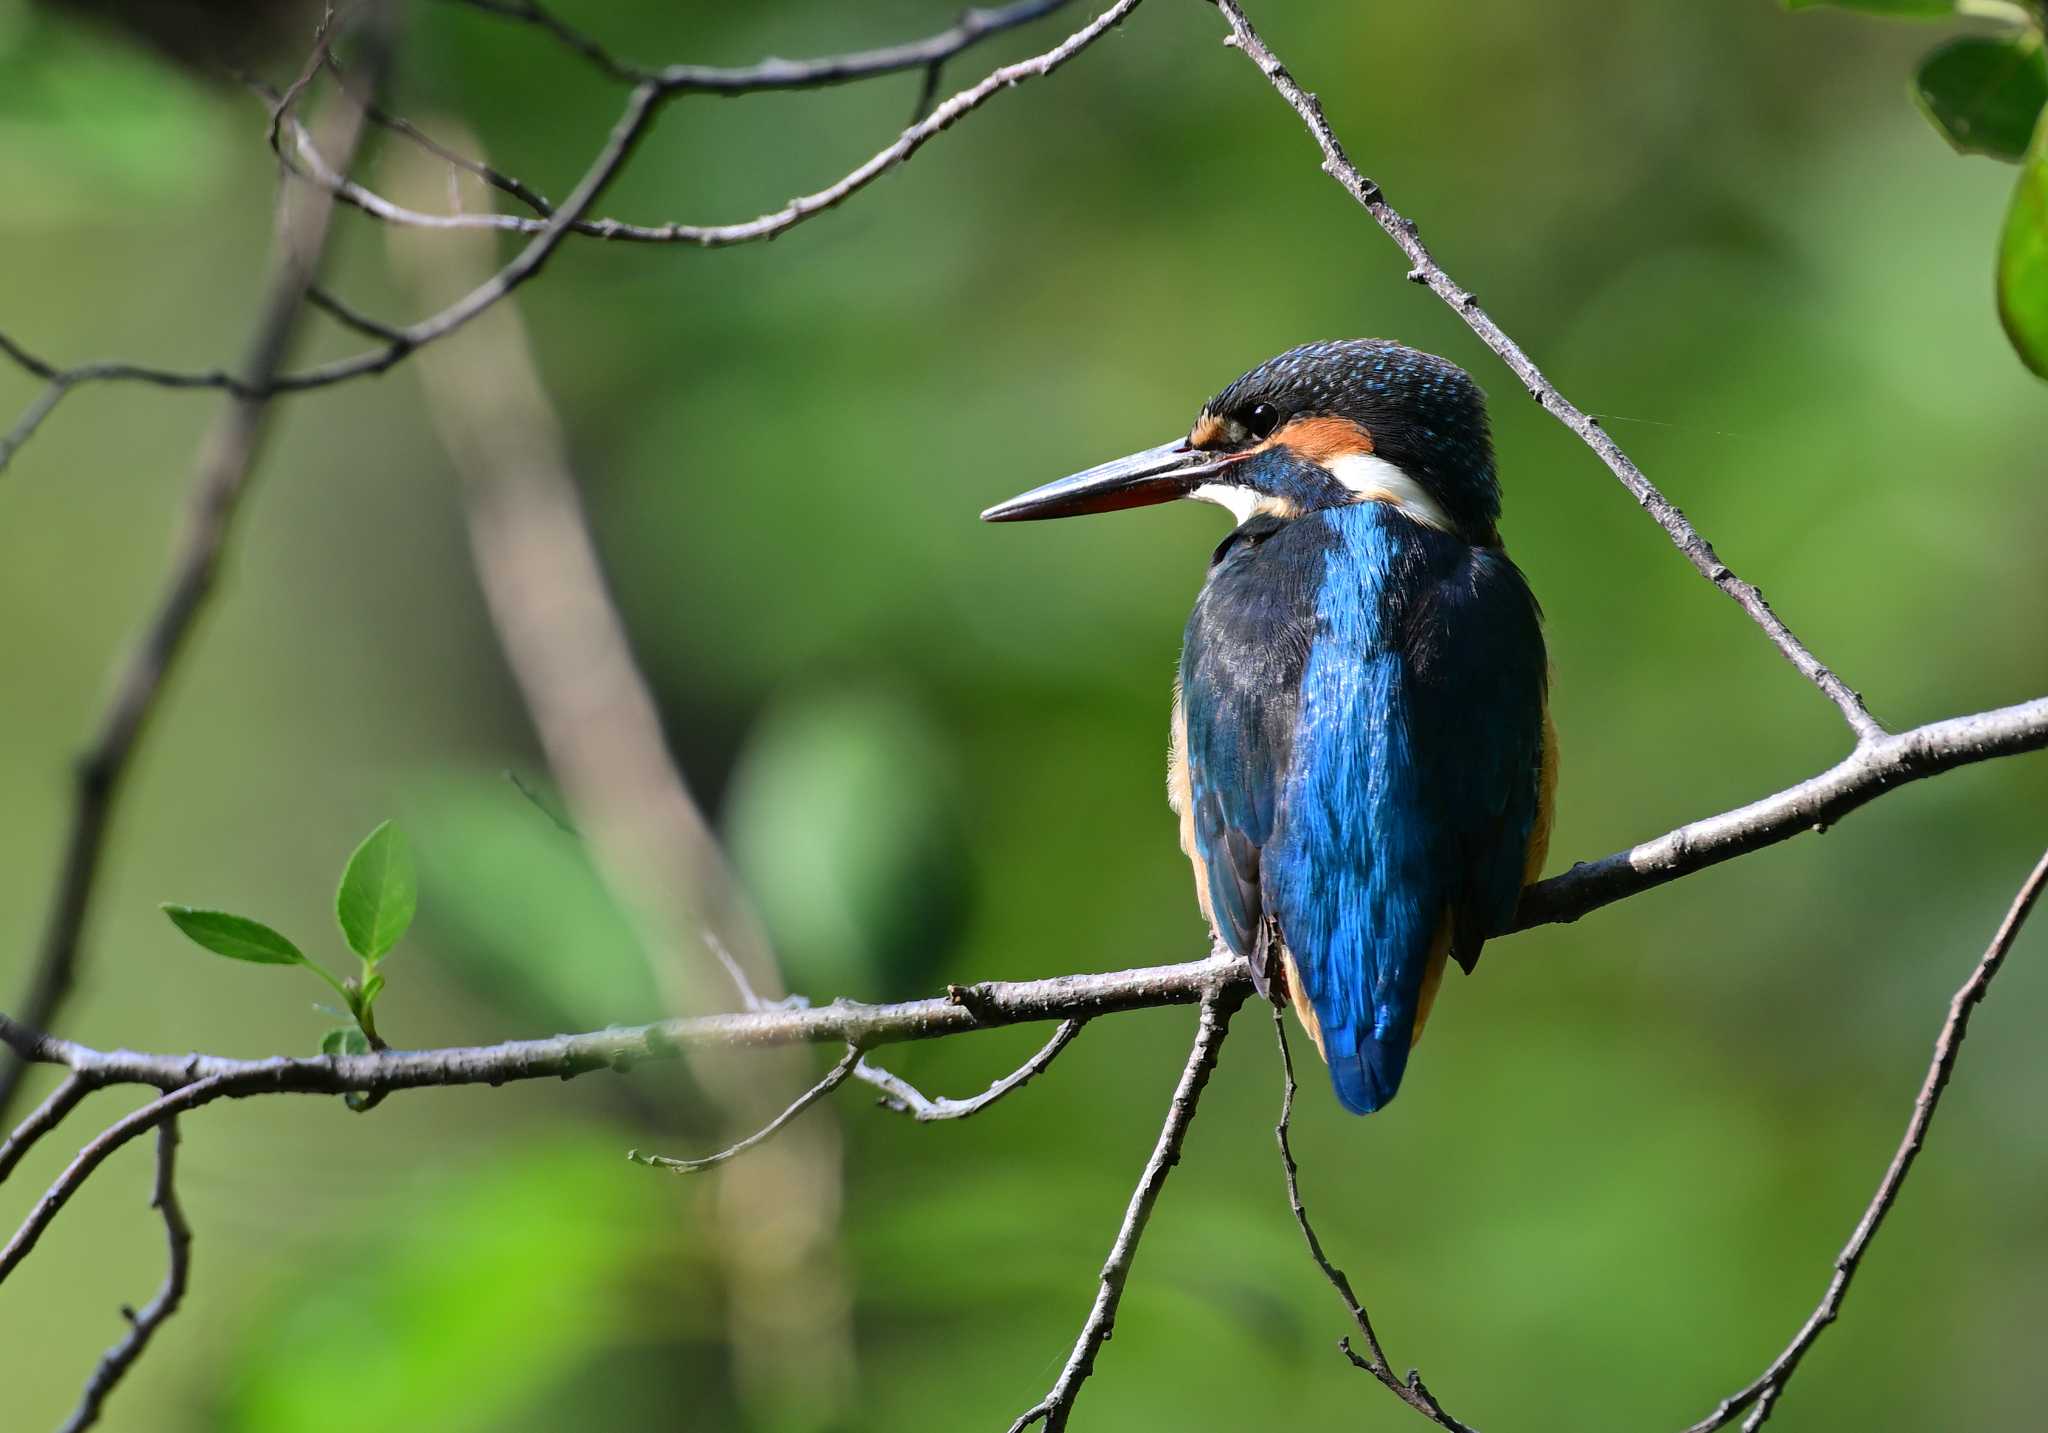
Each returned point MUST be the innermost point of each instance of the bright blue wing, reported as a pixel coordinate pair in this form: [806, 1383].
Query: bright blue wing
[1410, 784]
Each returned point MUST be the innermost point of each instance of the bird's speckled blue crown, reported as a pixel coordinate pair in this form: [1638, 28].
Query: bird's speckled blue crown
[1425, 414]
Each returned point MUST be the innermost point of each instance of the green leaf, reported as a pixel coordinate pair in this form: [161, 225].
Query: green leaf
[344, 1040]
[236, 937]
[1984, 94]
[1922, 8]
[378, 893]
[370, 988]
[2023, 259]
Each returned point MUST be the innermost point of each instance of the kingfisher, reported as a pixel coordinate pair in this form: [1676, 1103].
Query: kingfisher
[1361, 755]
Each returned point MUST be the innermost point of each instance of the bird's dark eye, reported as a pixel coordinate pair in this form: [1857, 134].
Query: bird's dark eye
[1261, 420]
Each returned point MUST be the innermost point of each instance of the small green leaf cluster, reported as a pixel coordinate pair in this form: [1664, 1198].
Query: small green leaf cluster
[374, 905]
[1988, 94]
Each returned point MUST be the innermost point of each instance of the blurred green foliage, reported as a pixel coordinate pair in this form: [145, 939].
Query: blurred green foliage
[1988, 94]
[1629, 1147]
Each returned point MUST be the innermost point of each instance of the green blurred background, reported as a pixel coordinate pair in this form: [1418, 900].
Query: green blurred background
[1630, 1147]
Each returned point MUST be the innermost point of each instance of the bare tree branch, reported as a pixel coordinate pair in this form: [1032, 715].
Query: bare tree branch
[314, 168]
[1219, 1003]
[227, 457]
[496, 178]
[1763, 1392]
[974, 26]
[991, 1005]
[900, 1095]
[40, 408]
[41, 1120]
[834, 1078]
[94, 1154]
[1410, 1390]
[142, 1325]
[345, 313]
[1892, 763]
[1874, 768]
[1426, 271]
[639, 112]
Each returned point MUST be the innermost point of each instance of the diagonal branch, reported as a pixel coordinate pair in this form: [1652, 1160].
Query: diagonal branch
[227, 458]
[143, 1324]
[1410, 1390]
[1426, 271]
[41, 1120]
[900, 1095]
[1761, 1395]
[834, 1078]
[1219, 1003]
[1873, 769]
[94, 1154]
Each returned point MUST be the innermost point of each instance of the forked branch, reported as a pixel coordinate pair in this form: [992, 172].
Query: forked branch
[1219, 1003]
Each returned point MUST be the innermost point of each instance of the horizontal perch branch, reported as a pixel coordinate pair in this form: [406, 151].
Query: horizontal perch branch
[1875, 768]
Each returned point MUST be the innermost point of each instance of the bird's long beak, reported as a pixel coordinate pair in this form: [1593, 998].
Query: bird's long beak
[1157, 475]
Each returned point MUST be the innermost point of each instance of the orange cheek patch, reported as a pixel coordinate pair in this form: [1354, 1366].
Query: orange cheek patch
[1322, 440]
[1208, 433]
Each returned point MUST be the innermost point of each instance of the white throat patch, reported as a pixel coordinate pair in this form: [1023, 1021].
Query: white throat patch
[1375, 479]
[1241, 503]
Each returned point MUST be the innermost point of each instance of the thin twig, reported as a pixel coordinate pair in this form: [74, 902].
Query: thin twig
[39, 408]
[95, 1153]
[227, 458]
[499, 180]
[1219, 1003]
[1764, 1390]
[834, 1078]
[548, 233]
[1426, 271]
[543, 19]
[934, 75]
[323, 36]
[347, 314]
[972, 27]
[313, 167]
[1410, 1390]
[143, 1324]
[749, 998]
[41, 1120]
[900, 1095]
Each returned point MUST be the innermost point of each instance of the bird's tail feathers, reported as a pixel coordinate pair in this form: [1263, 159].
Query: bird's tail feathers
[1367, 1078]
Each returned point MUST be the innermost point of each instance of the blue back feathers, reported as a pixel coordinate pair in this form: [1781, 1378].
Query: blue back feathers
[1364, 705]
